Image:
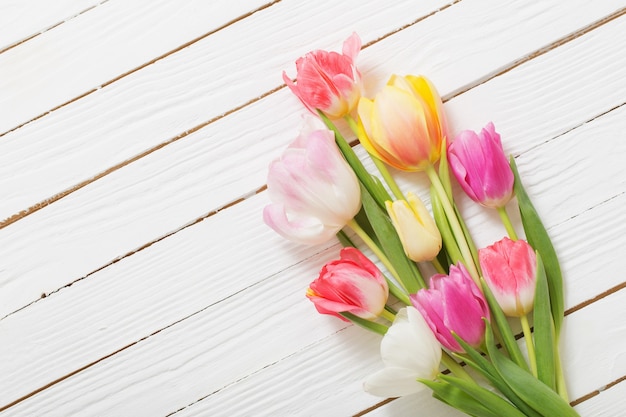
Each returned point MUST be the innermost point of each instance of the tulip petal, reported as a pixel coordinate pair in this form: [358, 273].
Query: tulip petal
[306, 230]
[393, 382]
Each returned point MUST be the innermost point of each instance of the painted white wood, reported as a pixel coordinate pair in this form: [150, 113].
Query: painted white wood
[160, 102]
[607, 403]
[212, 320]
[98, 320]
[99, 46]
[156, 195]
[23, 19]
[324, 378]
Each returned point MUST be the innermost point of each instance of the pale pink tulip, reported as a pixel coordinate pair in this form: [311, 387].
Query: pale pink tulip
[329, 81]
[453, 303]
[314, 191]
[409, 351]
[510, 269]
[351, 284]
[481, 167]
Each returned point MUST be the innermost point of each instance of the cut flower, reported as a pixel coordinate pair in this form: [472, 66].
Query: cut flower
[410, 352]
[314, 192]
[352, 284]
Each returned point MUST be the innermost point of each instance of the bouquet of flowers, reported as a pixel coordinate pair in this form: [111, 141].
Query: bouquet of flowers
[442, 306]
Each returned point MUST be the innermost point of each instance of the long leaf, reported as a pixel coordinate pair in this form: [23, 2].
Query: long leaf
[532, 391]
[391, 245]
[366, 324]
[375, 188]
[502, 324]
[478, 362]
[493, 402]
[449, 242]
[458, 399]
[544, 329]
[539, 239]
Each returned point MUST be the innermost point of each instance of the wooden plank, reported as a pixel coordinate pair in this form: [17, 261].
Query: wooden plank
[88, 138]
[108, 127]
[182, 363]
[201, 283]
[95, 48]
[607, 403]
[50, 238]
[23, 19]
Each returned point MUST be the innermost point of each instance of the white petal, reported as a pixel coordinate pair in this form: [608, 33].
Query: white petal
[393, 382]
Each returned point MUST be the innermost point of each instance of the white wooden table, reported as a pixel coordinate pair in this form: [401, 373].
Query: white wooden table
[136, 275]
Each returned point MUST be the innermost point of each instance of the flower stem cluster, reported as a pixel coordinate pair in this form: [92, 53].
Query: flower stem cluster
[319, 188]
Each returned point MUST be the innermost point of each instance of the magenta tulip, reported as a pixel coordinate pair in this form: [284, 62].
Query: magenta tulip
[453, 303]
[314, 191]
[329, 81]
[351, 284]
[510, 269]
[481, 167]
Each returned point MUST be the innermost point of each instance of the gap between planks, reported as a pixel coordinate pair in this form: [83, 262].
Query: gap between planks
[140, 67]
[480, 81]
[20, 42]
[569, 311]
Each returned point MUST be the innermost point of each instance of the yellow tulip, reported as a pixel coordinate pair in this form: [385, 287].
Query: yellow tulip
[416, 228]
[404, 125]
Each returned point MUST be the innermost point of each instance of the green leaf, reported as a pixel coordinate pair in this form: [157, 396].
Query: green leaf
[391, 245]
[502, 324]
[458, 399]
[478, 362]
[449, 242]
[537, 236]
[444, 170]
[544, 329]
[532, 391]
[375, 188]
[366, 324]
[496, 404]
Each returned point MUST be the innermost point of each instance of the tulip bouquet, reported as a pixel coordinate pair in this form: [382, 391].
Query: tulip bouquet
[443, 308]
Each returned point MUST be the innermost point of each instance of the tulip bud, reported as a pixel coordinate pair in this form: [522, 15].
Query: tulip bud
[404, 125]
[510, 270]
[314, 191]
[329, 81]
[481, 167]
[453, 303]
[410, 352]
[351, 284]
[416, 228]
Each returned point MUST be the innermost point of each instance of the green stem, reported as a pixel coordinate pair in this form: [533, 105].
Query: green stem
[560, 378]
[387, 315]
[382, 168]
[438, 266]
[506, 221]
[528, 337]
[455, 368]
[401, 295]
[457, 230]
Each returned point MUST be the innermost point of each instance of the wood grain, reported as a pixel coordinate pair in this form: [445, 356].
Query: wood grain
[136, 208]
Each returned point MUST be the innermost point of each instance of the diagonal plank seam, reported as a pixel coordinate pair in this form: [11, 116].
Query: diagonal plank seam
[41, 32]
[516, 63]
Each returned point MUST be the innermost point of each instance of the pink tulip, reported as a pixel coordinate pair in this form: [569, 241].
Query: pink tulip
[481, 167]
[351, 284]
[314, 191]
[510, 269]
[453, 304]
[329, 81]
